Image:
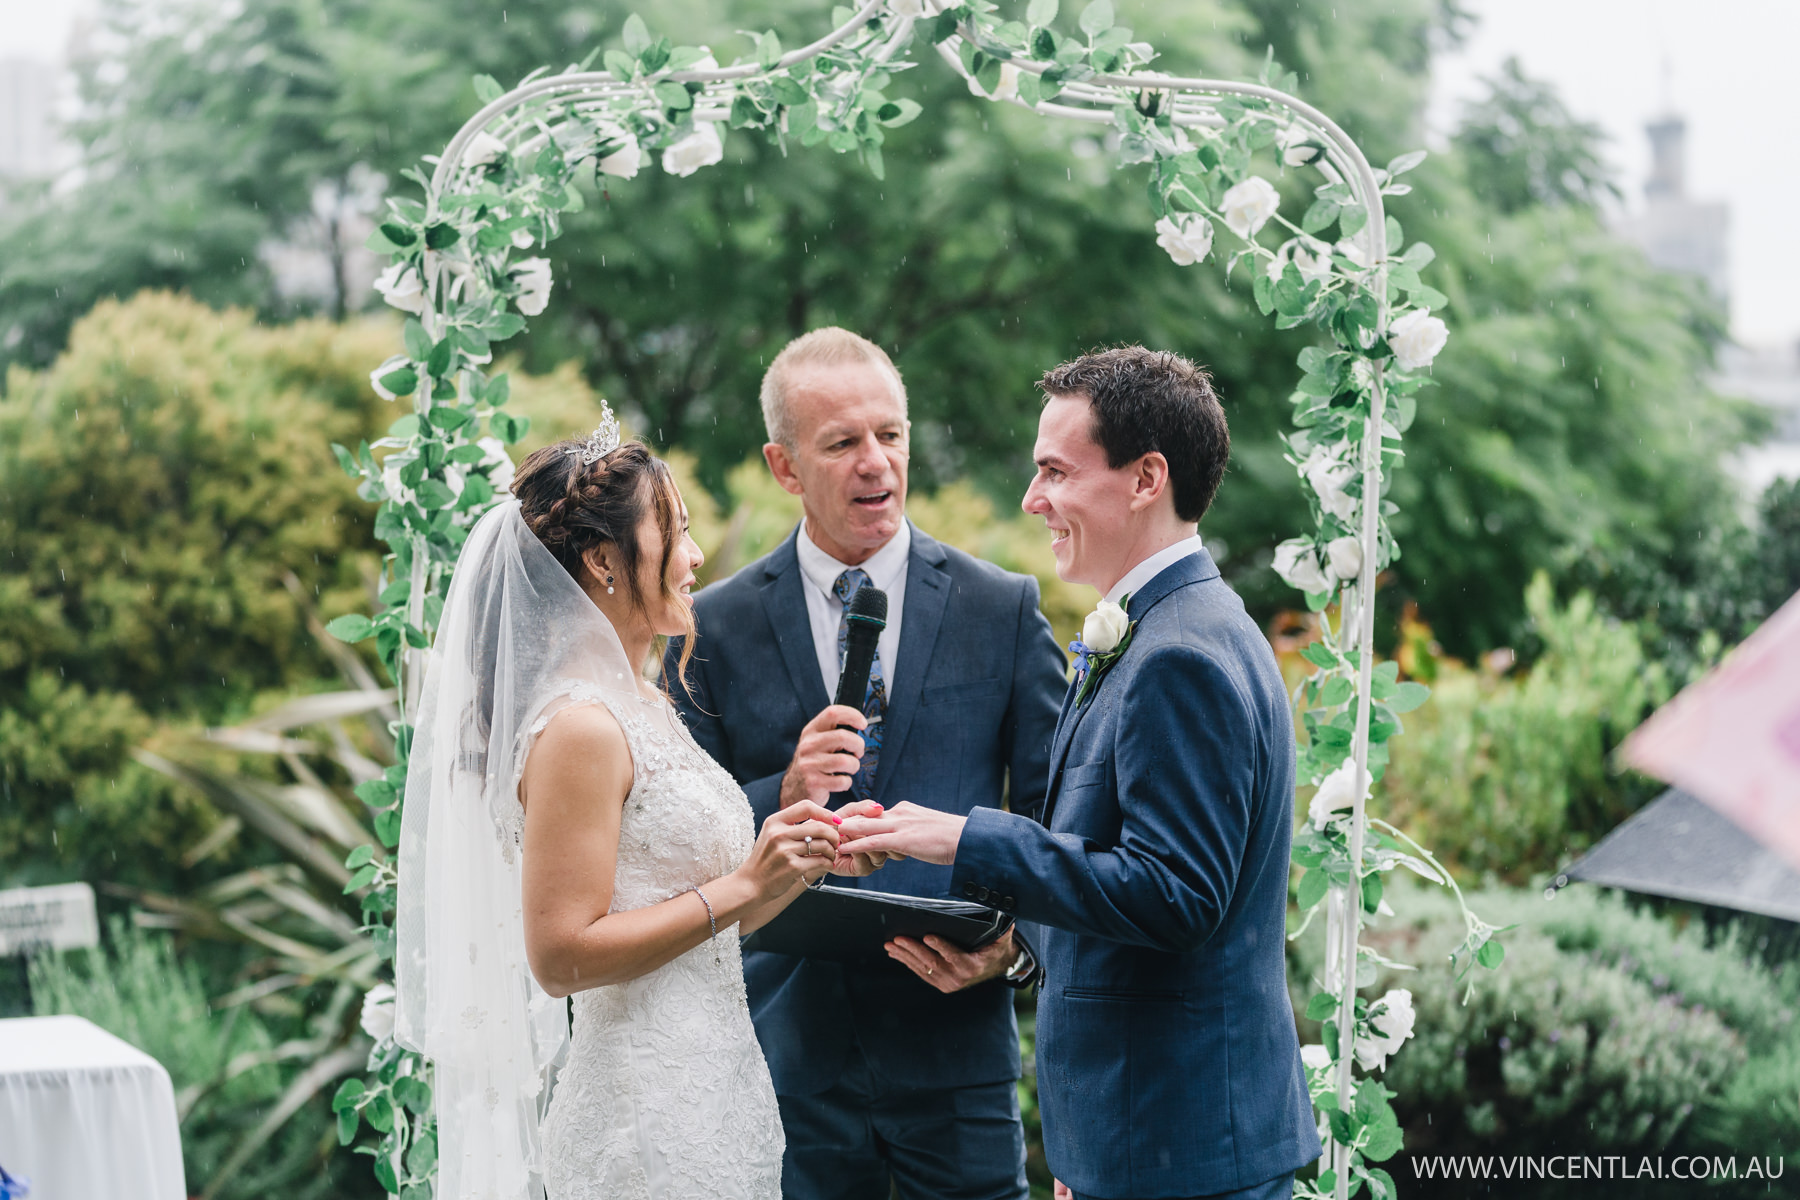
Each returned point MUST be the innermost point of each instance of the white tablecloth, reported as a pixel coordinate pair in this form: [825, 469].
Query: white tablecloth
[84, 1115]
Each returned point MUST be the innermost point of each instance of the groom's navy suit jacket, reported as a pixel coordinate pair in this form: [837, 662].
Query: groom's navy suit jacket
[973, 706]
[1167, 1059]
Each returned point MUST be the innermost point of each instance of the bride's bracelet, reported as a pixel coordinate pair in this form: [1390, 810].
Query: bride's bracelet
[710, 920]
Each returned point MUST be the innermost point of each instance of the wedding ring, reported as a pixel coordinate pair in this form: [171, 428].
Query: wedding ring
[809, 847]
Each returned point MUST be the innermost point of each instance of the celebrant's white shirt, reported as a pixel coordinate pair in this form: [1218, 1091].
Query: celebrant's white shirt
[887, 571]
[1151, 567]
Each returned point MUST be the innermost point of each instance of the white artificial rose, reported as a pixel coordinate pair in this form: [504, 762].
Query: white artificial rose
[1335, 796]
[1391, 1025]
[701, 148]
[522, 239]
[484, 148]
[533, 278]
[390, 477]
[1315, 1057]
[1299, 566]
[624, 161]
[1105, 627]
[1297, 146]
[1187, 237]
[1006, 89]
[1313, 261]
[1352, 250]
[1310, 257]
[378, 1013]
[498, 462]
[1329, 475]
[907, 9]
[1416, 338]
[388, 366]
[1248, 206]
[401, 287]
[1346, 557]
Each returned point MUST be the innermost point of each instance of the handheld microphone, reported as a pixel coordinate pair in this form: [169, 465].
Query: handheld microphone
[866, 617]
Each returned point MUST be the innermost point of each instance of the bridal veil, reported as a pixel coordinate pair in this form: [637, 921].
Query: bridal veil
[517, 636]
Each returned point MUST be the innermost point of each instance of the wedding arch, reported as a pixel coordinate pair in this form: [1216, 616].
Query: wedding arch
[462, 265]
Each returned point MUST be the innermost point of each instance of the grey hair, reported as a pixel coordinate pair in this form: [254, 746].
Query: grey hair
[829, 346]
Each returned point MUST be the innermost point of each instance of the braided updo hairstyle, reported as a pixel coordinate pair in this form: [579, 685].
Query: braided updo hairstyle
[574, 508]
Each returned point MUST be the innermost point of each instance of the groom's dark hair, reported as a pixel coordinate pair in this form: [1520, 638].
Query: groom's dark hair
[1145, 400]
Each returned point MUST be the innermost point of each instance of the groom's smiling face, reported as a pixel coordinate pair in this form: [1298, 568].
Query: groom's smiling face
[1086, 503]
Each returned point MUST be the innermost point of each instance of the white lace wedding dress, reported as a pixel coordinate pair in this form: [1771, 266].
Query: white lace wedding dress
[665, 1094]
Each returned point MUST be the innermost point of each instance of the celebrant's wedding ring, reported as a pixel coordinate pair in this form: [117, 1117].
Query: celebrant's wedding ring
[809, 847]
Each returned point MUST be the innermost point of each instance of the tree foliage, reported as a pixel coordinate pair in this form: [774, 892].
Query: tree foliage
[998, 243]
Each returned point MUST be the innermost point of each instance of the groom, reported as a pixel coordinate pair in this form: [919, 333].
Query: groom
[1167, 1060]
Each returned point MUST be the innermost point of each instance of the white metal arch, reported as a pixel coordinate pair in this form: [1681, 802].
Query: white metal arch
[1195, 102]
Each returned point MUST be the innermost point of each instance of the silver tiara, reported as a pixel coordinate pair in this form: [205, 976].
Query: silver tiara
[603, 441]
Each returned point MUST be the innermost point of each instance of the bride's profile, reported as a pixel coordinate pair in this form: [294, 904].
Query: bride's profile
[564, 836]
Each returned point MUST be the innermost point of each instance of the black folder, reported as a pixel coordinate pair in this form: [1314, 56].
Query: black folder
[848, 925]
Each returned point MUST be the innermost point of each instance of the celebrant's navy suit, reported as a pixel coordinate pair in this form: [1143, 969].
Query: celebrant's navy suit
[969, 720]
[1168, 1064]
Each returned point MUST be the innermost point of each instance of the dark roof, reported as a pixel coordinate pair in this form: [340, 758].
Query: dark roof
[1680, 847]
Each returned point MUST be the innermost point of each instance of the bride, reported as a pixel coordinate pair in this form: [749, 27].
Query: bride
[564, 836]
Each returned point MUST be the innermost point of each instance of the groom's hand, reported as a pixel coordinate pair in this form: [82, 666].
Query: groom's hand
[848, 862]
[949, 969]
[825, 757]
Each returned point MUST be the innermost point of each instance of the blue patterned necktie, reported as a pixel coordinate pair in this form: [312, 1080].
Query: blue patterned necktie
[874, 705]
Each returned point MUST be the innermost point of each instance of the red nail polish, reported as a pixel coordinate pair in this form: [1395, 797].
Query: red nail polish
[837, 820]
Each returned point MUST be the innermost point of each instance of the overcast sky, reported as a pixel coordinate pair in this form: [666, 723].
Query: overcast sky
[1726, 65]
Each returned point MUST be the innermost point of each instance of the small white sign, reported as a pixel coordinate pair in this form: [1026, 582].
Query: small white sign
[60, 917]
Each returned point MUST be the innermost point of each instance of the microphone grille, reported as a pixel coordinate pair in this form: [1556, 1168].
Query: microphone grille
[868, 604]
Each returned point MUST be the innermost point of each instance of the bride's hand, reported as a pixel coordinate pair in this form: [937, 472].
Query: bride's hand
[798, 843]
[848, 861]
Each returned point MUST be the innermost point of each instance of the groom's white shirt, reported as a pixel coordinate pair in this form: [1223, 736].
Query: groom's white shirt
[887, 571]
[1151, 567]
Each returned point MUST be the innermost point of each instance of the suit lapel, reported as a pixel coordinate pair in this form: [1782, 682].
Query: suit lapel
[927, 594]
[784, 604]
[1193, 569]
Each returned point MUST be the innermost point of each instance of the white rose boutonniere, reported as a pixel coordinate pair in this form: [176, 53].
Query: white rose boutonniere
[1187, 237]
[701, 148]
[1248, 206]
[1105, 636]
[1416, 338]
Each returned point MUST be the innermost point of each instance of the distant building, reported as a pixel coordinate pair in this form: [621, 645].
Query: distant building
[1680, 234]
[1676, 233]
[29, 147]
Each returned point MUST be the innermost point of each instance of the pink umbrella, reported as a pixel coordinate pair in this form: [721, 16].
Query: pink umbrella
[1733, 738]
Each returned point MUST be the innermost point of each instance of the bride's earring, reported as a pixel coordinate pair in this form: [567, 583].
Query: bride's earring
[609, 585]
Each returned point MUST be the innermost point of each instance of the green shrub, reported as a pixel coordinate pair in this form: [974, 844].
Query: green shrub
[170, 509]
[226, 1066]
[1608, 1031]
[1510, 775]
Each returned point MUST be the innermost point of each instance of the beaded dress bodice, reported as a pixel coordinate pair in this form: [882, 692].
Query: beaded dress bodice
[665, 1093]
